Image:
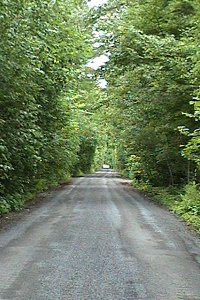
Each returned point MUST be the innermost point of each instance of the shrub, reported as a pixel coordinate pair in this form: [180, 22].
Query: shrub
[189, 207]
[190, 201]
[4, 206]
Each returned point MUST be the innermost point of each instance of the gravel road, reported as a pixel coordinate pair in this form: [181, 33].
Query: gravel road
[99, 239]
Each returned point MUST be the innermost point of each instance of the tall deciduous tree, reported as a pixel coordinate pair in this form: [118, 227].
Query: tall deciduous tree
[43, 49]
[153, 48]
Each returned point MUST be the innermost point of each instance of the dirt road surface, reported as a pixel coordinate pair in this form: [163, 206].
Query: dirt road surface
[99, 239]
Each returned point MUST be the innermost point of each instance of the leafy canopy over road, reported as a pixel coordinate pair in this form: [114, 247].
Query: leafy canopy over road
[153, 92]
[43, 133]
[55, 122]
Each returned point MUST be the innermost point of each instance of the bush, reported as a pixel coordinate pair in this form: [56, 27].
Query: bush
[167, 196]
[4, 206]
[189, 207]
[190, 201]
[16, 202]
[11, 203]
[184, 202]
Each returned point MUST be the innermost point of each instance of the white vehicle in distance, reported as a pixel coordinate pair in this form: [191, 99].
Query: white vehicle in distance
[106, 166]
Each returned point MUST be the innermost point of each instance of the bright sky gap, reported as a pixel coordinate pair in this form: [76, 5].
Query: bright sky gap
[94, 3]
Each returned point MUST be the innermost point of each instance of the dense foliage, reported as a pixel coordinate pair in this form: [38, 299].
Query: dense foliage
[43, 49]
[153, 88]
[55, 121]
[151, 84]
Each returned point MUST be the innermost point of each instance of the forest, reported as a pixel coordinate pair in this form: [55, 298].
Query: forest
[57, 121]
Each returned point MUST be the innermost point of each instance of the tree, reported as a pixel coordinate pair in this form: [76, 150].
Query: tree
[44, 49]
[150, 86]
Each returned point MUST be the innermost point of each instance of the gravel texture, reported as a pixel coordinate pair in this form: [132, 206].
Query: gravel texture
[99, 239]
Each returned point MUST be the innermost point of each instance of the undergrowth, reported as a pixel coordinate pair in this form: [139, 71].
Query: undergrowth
[189, 206]
[184, 201]
[13, 202]
[17, 201]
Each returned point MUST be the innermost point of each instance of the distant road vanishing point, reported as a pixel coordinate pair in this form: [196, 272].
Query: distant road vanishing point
[99, 239]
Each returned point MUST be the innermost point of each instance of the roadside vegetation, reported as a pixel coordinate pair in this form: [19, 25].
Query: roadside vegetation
[154, 97]
[45, 132]
[56, 122]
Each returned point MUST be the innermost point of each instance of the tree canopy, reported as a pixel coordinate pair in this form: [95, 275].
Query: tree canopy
[153, 86]
[57, 122]
[44, 49]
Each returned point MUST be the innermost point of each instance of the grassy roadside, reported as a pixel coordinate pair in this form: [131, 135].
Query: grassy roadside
[183, 201]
